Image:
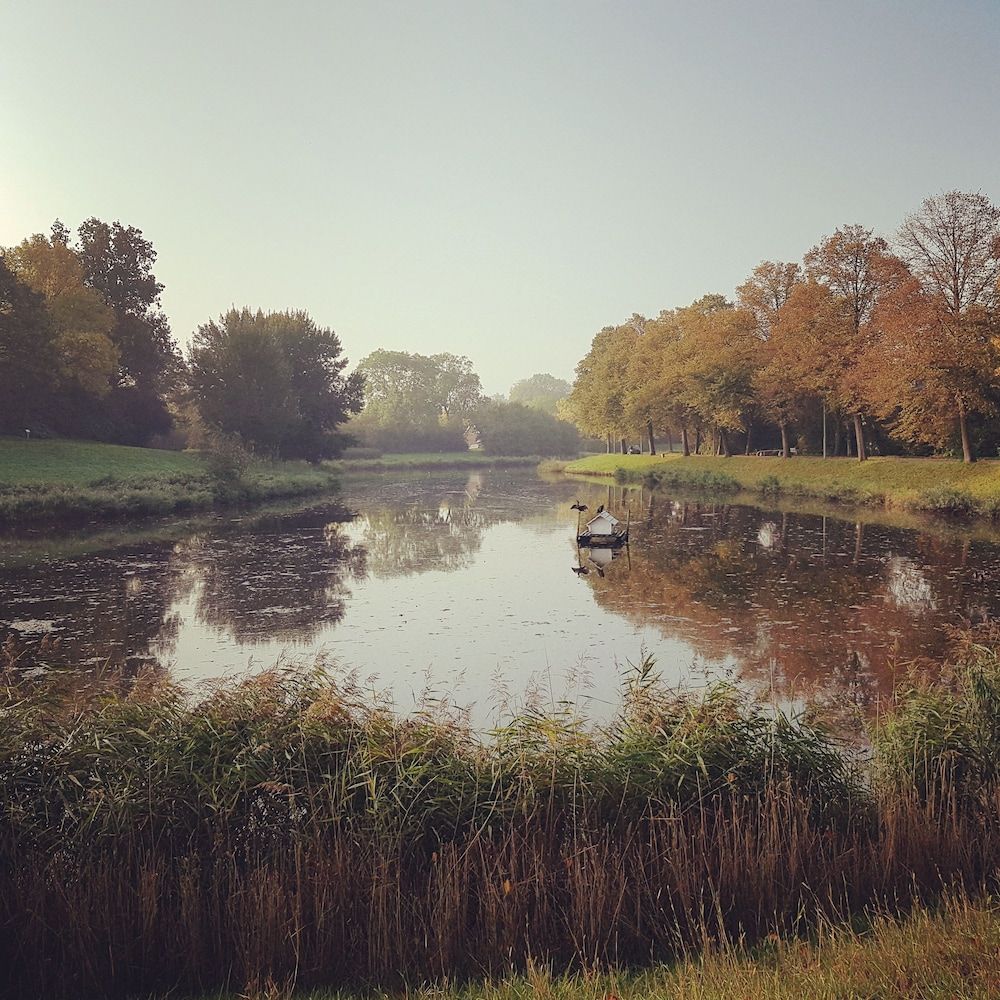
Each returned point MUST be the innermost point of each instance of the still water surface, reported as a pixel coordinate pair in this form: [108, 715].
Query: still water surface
[470, 588]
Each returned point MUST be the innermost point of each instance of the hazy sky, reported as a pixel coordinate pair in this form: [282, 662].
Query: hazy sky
[493, 179]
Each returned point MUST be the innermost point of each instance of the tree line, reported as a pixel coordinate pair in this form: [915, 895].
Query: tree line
[865, 345]
[86, 351]
[415, 403]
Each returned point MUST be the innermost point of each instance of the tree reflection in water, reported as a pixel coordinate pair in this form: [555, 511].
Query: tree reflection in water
[286, 579]
[803, 603]
[422, 533]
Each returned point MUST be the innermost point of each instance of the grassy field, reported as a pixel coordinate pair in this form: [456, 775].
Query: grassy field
[287, 828]
[929, 484]
[950, 953]
[83, 479]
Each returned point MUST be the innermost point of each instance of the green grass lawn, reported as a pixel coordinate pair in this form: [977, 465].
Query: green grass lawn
[63, 478]
[78, 463]
[907, 483]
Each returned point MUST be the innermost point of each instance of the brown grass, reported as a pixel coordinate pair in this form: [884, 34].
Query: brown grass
[279, 831]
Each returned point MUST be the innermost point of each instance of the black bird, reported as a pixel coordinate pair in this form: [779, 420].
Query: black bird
[600, 509]
[579, 506]
[580, 569]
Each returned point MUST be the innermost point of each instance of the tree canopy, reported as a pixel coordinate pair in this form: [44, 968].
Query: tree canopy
[415, 402]
[274, 379]
[902, 349]
[541, 392]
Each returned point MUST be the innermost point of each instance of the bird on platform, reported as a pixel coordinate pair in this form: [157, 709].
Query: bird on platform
[600, 510]
[580, 569]
[579, 506]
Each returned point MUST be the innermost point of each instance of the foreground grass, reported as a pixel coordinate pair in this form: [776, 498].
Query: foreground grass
[927, 484]
[284, 828]
[951, 953]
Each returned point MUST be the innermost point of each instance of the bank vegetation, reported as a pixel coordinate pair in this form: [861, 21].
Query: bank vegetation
[285, 829]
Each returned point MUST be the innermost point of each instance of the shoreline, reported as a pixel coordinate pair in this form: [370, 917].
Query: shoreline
[83, 481]
[915, 485]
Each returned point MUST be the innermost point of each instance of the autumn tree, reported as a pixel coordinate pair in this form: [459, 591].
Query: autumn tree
[84, 355]
[598, 400]
[764, 294]
[952, 247]
[847, 263]
[767, 290]
[716, 364]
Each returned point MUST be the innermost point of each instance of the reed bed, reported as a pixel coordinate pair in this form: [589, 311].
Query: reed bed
[283, 829]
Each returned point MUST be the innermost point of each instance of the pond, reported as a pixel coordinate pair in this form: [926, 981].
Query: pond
[469, 588]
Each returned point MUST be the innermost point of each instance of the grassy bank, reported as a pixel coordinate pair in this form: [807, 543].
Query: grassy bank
[285, 829]
[81, 479]
[920, 484]
[431, 461]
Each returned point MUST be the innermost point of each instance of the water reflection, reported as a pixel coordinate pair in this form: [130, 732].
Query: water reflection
[463, 580]
[801, 602]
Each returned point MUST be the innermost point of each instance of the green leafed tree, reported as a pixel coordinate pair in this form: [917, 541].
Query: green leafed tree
[29, 355]
[118, 264]
[275, 379]
[508, 428]
[541, 392]
[416, 402]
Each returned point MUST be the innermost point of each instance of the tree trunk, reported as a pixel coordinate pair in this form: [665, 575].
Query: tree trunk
[836, 437]
[670, 440]
[685, 444]
[607, 440]
[963, 426]
[859, 437]
[847, 442]
[624, 446]
[724, 441]
[697, 440]
[785, 451]
[749, 429]
[652, 440]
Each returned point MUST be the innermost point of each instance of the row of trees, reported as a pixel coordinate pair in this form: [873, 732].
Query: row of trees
[416, 402]
[898, 344]
[86, 351]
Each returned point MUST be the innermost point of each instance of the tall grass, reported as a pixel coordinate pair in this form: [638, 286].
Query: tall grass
[284, 829]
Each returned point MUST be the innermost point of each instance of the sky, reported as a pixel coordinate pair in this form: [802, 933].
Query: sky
[498, 180]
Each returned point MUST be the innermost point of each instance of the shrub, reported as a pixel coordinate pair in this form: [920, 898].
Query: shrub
[226, 458]
[947, 500]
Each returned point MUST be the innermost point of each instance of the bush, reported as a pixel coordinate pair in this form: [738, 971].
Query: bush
[514, 429]
[947, 500]
[226, 458]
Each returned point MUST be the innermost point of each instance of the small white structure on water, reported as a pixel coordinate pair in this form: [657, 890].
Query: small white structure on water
[603, 524]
